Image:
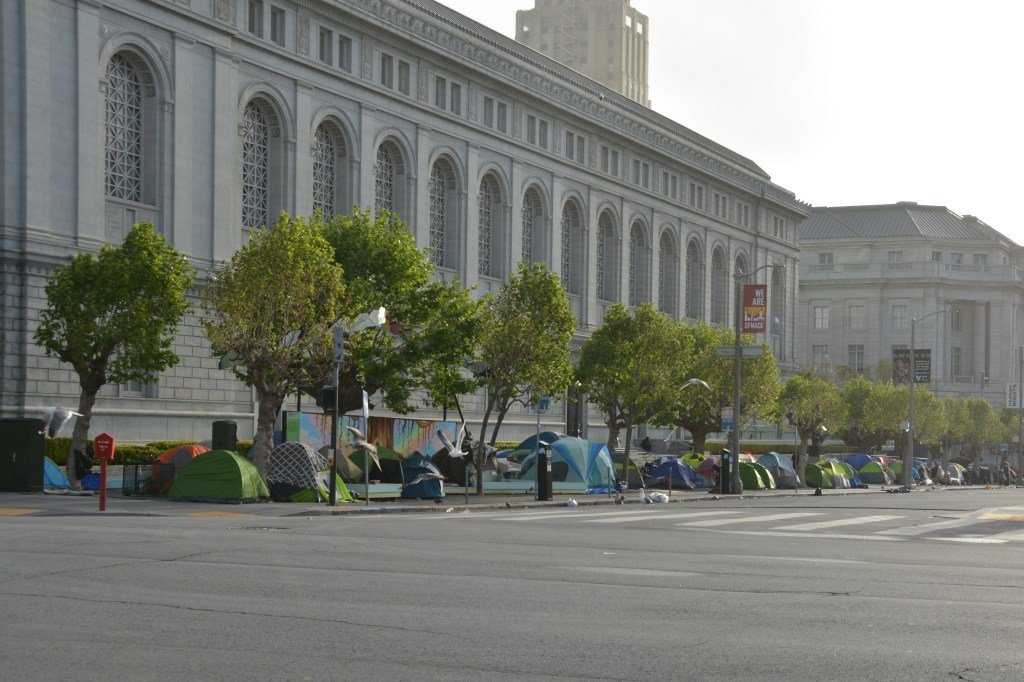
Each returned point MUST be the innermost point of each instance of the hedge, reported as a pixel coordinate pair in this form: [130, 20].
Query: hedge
[57, 449]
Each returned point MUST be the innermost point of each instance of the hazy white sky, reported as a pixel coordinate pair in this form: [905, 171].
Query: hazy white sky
[846, 102]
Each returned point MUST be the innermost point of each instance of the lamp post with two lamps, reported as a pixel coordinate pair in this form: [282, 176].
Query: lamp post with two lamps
[736, 484]
[908, 452]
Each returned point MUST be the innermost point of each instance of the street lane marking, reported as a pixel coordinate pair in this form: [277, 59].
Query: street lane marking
[929, 527]
[972, 541]
[11, 511]
[747, 519]
[660, 517]
[656, 572]
[220, 515]
[819, 525]
[566, 514]
[809, 536]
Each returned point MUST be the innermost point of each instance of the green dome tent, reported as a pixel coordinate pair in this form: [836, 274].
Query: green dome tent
[219, 476]
[826, 474]
[755, 477]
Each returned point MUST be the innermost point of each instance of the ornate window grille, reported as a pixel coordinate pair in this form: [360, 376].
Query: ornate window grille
[124, 131]
[636, 245]
[486, 208]
[529, 213]
[570, 223]
[325, 176]
[384, 181]
[719, 289]
[694, 281]
[603, 235]
[255, 168]
[437, 215]
[663, 258]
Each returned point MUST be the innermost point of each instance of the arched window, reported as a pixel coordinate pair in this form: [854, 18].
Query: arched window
[384, 180]
[741, 264]
[572, 235]
[637, 269]
[443, 215]
[123, 149]
[606, 258]
[491, 216]
[778, 312]
[667, 274]
[255, 168]
[532, 217]
[328, 154]
[719, 288]
[694, 281]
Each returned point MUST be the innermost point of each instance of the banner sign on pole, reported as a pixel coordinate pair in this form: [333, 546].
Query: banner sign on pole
[1013, 397]
[901, 365]
[923, 365]
[727, 418]
[755, 308]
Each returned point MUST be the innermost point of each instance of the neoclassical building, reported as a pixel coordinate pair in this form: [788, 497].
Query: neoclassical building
[867, 271]
[208, 117]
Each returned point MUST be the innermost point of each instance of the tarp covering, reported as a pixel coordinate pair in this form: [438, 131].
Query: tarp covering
[780, 467]
[582, 461]
[413, 466]
[219, 476]
[659, 471]
[53, 475]
[826, 474]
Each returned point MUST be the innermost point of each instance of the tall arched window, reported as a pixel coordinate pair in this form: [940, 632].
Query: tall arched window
[325, 170]
[443, 215]
[255, 168]
[487, 207]
[606, 260]
[637, 269]
[384, 180]
[719, 288]
[666, 274]
[123, 149]
[572, 234]
[694, 281]
[778, 312]
[532, 216]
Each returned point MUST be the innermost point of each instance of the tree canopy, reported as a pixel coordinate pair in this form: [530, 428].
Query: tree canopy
[810, 402]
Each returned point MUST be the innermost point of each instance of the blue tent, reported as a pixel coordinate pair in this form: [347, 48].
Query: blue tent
[859, 460]
[780, 467]
[413, 466]
[659, 471]
[851, 473]
[574, 460]
[531, 442]
[53, 476]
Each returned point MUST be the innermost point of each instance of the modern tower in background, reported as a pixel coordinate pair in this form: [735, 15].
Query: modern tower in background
[605, 40]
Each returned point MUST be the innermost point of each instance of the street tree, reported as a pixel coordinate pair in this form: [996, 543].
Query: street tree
[855, 394]
[811, 403]
[889, 405]
[112, 316]
[625, 368]
[526, 331]
[699, 410]
[432, 325]
[271, 308]
[973, 424]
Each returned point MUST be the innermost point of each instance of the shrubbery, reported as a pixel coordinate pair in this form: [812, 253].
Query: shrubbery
[57, 449]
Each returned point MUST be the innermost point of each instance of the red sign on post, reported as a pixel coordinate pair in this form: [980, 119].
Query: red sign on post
[104, 446]
[755, 308]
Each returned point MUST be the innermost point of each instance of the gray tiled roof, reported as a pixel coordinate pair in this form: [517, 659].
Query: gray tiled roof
[562, 72]
[905, 219]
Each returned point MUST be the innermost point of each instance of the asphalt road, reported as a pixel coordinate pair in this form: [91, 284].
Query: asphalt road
[922, 586]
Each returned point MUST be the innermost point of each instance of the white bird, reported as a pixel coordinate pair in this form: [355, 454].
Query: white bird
[364, 444]
[56, 419]
[454, 449]
[571, 503]
[697, 382]
[429, 476]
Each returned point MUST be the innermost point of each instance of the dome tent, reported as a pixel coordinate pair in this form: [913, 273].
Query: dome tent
[299, 474]
[219, 476]
[168, 465]
[574, 460]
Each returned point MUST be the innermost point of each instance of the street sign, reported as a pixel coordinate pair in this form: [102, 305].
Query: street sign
[923, 365]
[544, 403]
[755, 308]
[727, 418]
[901, 365]
[904, 426]
[1013, 396]
[745, 351]
[1004, 447]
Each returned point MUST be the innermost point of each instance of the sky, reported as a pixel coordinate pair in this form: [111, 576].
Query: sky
[846, 102]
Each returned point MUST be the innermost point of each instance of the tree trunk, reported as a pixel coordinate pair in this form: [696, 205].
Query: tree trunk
[700, 440]
[497, 425]
[264, 438]
[625, 459]
[801, 459]
[478, 455]
[80, 436]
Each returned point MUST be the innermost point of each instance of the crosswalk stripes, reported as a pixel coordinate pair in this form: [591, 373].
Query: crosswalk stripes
[921, 529]
[565, 514]
[651, 516]
[707, 523]
[834, 523]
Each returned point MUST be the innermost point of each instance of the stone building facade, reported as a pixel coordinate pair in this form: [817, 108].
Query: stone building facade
[208, 117]
[867, 271]
[605, 40]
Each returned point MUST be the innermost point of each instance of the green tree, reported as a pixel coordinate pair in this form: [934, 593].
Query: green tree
[433, 326]
[626, 369]
[855, 394]
[112, 317]
[272, 307]
[698, 410]
[973, 423]
[524, 350]
[888, 405]
[810, 402]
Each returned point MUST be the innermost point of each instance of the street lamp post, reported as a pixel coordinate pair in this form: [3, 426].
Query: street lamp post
[736, 484]
[908, 452]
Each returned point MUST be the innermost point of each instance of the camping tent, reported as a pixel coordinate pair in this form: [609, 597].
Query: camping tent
[574, 460]
[826, 474]
[780, 467]
[299, 474]
[390, 470]
[694, 459]
[415, 465]
[219, 476]
[660, 470]
[755, 477]
[53, 475]
[531, 442]
[851, 473]
[858, 460]
[170, 463]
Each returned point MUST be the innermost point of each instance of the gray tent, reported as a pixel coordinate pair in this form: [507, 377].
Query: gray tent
[295, 475]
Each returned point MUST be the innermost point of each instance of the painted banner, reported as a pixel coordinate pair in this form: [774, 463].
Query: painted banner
[755, 308]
